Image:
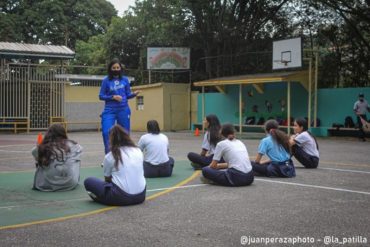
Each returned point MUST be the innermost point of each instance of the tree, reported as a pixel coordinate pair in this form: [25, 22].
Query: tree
[55, 22]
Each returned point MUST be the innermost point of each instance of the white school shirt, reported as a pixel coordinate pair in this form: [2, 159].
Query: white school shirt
[307, 143]
[234, 153]
[207, 145]
[155, 148]
[130, 174]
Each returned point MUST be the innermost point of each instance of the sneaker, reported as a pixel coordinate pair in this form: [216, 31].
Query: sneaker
[102, 165]
[92, 195]
[206, 180]
[196, 166]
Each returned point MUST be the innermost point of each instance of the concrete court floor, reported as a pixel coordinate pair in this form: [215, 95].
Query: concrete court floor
[332, 201]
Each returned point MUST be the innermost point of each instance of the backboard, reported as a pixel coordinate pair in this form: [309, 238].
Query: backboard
[287, 54]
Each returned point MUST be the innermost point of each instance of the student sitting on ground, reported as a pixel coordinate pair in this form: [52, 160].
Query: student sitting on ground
[210, 140]
[276, 147]
[304, 145]
[237, 171]
[155, 146]
[123, 173]
[58, 161]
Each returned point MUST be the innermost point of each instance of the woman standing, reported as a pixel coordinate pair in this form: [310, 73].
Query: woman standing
[58, 161]
[115, 91]
[124, 182]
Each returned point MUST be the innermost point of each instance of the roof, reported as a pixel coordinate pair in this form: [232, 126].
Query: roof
[15, 50]
[75, 77]
[301, 76]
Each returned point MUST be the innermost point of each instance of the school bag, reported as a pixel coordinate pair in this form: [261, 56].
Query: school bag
[348, 122]
[250, 120]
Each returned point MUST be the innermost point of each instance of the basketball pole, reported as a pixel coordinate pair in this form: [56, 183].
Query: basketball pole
[240, 107]
[288, 101]
[316, 82]
[203, 108]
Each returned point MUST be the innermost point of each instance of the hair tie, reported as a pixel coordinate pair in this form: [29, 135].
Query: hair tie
[272, 131]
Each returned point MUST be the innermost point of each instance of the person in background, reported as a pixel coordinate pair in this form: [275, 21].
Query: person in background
[360, 108]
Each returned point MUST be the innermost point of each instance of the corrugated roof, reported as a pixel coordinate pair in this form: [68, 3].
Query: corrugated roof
[8, 49]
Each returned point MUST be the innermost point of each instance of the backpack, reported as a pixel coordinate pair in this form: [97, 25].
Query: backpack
[250, 120]
[348, 122]
[261, 121]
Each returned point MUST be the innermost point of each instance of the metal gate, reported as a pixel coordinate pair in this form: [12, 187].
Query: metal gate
[31, 91]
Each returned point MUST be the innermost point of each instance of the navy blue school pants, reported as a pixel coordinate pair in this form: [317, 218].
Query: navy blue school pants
[275, 169]
[110, 194]
[160, 170]
[109, 118]
[304, 158]
[199, 159]
[228, 177]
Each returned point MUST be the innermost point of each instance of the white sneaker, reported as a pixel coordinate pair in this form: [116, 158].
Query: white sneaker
[92, 195]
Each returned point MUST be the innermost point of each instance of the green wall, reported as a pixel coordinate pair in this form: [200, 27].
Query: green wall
[336, 103]
[226, 106]
[333, 104]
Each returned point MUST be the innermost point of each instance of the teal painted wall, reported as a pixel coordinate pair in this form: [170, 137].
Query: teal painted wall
[333, 104]
[336, 103]
[226, 106]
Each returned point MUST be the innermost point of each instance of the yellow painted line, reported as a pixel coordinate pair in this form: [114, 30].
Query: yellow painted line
[192, 177]
[187, 180]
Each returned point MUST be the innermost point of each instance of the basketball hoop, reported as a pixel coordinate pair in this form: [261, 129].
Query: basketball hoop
[284, 62]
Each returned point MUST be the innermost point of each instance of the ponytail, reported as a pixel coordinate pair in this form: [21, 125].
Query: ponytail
[281, 138]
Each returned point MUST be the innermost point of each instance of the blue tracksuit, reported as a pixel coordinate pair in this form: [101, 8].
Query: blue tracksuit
[114, 110]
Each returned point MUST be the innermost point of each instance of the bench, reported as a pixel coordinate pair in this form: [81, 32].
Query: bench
[342, 131]
[249, 128]
[15, 124]
[65, 123]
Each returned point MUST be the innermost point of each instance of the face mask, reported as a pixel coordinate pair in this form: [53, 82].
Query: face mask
[362, 100]
[116, 72]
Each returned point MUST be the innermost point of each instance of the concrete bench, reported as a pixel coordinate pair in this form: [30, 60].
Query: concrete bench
[341, 131]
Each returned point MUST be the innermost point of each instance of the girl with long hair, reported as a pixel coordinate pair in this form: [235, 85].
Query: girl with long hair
[211, 138]
[235, 168]
[58, 161]
[115, 91]
[124, 182]
[276, 147]
[304, 145]
[155, 146]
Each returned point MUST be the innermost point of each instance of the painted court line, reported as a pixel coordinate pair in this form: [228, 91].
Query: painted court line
[88, 198]
[187, 180]
[315, 186]
[344, 170]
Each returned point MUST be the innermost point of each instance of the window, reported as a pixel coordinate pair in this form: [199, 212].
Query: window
[140, 103]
